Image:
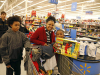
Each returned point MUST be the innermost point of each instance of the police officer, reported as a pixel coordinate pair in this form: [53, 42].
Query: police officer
[3, 27]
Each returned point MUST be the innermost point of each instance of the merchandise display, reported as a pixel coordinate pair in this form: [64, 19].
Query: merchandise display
[67, 47]
[77, 51]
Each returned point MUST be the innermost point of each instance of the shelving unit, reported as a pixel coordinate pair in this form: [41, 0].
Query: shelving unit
[83, 30]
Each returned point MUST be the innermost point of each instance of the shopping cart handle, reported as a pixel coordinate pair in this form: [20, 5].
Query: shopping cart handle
[26, 33]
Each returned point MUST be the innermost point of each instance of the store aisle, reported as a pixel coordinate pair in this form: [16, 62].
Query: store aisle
[3, 67]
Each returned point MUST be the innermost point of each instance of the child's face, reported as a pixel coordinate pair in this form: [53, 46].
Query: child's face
[60, 34]
[50, 25]
[15, 26]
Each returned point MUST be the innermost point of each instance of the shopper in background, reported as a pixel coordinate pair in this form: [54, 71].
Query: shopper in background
[44, 36]
[23, 27]
[12, 45]
[3, 27]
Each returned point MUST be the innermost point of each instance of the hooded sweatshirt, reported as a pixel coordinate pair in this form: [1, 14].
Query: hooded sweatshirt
[12, 45]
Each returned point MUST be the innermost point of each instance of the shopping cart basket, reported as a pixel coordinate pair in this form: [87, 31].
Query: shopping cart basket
[66, 66]
[64, 63]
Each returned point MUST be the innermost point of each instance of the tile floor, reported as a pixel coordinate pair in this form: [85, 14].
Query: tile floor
[3, 67]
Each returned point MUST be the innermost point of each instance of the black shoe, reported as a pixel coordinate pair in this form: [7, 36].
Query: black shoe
[22, 58]
[1, 62]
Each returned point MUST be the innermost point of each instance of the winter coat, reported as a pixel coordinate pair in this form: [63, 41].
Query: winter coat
[12, 44]
[3, 27]
[39, 37]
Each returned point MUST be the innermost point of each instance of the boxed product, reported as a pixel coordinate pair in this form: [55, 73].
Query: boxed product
[67, 47]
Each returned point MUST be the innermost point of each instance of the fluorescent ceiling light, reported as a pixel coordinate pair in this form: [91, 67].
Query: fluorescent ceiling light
[1, 1]
[29, 1]
[2, 4]
[19, 10]
[36, 3]
[39, 6]
[91, 1]
[61, 1]
[17, 5]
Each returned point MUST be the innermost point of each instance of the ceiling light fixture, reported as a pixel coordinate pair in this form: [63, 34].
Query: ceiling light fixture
[2, 1]
[2, 4]
[29, 1]
[17, 5]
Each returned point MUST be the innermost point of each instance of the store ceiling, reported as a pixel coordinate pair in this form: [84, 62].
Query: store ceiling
[43, 7]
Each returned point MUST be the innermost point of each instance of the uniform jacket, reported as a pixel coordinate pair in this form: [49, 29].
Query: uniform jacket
[3, 27]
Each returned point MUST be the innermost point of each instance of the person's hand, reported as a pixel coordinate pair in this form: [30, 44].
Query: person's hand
[55, 45]
[8, 66]
[45, 44]
[78, 54]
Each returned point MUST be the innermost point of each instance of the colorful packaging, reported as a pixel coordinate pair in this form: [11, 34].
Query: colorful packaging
[67, 47]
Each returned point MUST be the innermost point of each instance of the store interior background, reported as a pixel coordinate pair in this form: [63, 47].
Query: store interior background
[42, 7]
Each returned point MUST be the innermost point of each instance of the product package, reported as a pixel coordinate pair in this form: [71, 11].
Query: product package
[67, 47]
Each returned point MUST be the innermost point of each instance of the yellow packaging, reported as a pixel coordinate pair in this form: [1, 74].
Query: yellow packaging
[67, 47]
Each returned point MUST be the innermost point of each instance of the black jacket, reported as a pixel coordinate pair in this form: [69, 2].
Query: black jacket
[23, 29]
[3, 27]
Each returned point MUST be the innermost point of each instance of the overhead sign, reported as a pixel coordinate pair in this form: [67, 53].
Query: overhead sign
[53, 1]
[33, 13]
[74, 6]
[49, 14]
[89, 12]
[78, 17]
[98, 17]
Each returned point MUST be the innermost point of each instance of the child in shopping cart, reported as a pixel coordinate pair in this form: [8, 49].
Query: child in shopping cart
[11, 46]
[60, 34]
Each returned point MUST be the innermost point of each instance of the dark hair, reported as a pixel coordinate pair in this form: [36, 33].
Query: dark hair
[60, 30]
[3, 12]
[51, 18]
[12, 19]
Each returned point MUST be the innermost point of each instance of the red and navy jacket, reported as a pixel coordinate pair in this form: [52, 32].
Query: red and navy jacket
[39, 37]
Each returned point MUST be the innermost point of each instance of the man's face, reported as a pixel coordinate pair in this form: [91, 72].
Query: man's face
[3, 16]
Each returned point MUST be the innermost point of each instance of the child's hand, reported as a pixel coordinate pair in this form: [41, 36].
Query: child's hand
[54, 45]
[45, 44]
[8, 66]
[78, 54]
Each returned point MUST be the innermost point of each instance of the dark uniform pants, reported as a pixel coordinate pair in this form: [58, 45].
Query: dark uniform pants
[16, 67]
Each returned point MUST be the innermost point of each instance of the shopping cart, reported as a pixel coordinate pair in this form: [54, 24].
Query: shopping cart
[31, 68]
[67, 67]
[64, 63]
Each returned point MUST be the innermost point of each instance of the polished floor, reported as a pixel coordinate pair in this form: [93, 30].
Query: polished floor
[3, 67]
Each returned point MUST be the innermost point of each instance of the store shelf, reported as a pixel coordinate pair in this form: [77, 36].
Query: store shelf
[77, 24]
[84, 28]
[36, 22]
[94, 25]
[36, 25]
[66, 34]
[29, 20]
[93, 37]
[90, 28]
[81, 35]
[81, 31]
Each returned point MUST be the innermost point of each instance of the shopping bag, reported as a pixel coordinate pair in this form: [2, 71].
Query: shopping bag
[50, 63]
